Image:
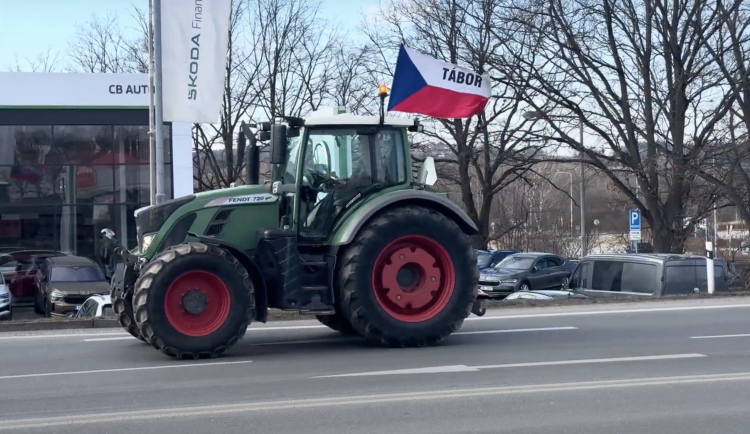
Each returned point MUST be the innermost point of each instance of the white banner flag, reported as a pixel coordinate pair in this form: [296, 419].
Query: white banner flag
[195, 34]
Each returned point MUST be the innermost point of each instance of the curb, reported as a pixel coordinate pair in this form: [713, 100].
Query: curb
[70, 324]
[63, 324]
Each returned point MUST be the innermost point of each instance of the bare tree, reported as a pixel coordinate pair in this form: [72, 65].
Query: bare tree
[101, 45]
[493, 149]
[136, 46]
[353, 86]
[292, 56]
[729, 157]
[43, 62]
[218, 159]
[638, 75]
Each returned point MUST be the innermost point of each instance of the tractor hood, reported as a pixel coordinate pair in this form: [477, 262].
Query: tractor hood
[151, 219]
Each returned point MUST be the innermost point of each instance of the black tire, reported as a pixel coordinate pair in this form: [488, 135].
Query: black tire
[124, 311]
[154, 282]
[337, 322]
[357, 263]
[37, 310]
[528, 286]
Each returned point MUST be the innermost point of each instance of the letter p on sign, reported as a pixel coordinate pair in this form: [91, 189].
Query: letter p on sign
[635, 219]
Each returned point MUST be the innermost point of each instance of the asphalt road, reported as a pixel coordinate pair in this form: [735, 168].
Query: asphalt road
[675, 367]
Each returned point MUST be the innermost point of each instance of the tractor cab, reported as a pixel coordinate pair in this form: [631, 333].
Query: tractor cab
[333, 162]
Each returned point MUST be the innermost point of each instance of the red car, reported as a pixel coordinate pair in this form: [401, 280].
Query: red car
[19, 270]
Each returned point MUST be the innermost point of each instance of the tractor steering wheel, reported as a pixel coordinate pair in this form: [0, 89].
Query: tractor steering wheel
[318, 179]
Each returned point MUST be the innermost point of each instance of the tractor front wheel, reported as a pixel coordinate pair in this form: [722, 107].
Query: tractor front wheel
[193, 301]
[124, 311]
[409, 278]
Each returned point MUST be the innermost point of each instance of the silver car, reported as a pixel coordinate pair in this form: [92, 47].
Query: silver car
[6, 313]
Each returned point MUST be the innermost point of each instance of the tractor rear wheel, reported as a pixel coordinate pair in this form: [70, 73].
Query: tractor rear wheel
[194, 301]
[124, 311]
[409, 279]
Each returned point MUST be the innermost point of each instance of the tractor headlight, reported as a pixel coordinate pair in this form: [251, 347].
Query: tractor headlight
[57, 295]
[146, 241]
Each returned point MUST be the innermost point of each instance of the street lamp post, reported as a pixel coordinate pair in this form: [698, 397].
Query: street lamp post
[541, 115]
[571, 197]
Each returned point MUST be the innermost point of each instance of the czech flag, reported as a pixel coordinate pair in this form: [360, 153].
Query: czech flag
[428, 86]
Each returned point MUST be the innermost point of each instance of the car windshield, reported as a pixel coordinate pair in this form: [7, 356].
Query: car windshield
[515, 263]
[483, 259]
[76, 274]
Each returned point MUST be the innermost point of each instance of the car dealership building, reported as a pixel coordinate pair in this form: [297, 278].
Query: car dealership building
[74, 159]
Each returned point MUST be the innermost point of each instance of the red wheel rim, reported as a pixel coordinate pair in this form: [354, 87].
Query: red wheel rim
[413, 278]
[197, 303]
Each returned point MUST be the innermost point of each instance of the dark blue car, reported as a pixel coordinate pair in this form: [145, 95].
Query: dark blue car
[490, 258]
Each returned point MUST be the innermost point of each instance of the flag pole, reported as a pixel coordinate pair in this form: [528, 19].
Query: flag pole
[158, 104]
[151, 141]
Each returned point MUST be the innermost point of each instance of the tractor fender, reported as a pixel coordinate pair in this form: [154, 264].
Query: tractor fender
[245, 258]
[348, 230]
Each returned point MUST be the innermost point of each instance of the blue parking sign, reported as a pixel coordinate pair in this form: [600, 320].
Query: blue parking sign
[634, 215]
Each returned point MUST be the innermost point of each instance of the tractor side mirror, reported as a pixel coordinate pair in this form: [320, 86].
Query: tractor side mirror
[278, 144]
[427, 173]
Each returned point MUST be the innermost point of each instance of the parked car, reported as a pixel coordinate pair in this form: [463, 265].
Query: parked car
[649, 274]
[96, 306]
[490, 258]
[4, 250]
[65, 282]
[6, 301]
[19, 269]
[524, 272]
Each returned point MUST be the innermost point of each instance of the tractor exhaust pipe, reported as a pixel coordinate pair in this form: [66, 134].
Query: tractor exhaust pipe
[252, 155]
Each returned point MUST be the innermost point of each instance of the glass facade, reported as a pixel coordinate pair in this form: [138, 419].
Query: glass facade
[62, 183]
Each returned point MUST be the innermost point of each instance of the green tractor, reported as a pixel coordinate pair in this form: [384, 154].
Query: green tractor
[342, 232]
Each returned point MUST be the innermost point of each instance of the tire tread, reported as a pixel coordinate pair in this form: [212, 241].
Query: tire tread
[351, 262]
[156, 265]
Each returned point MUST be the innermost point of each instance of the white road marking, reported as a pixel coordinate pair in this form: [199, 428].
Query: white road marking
[605, 312]
[587, 361]
[721, 336]
[333, 340]
[464, 368]
[107, 371]
[540, 329]
[273, 328]
[426, 370]
[359, 400]
[488, 317]
[122, 338]
[307, 341]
